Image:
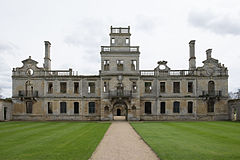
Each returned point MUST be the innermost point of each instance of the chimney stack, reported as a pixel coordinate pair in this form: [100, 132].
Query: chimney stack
[192, 58]
[209, 53]
[47, 60]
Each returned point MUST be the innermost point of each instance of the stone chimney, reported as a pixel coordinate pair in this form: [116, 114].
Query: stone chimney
[209, 53]
[47, 60]
[192, 58]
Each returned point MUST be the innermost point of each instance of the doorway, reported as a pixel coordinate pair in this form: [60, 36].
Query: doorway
[5, 113]
[118, 112]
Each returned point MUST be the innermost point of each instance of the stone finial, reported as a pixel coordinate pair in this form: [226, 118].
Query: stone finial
[209, 53]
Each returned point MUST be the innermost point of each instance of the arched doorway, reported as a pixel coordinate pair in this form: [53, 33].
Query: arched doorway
[120, 111]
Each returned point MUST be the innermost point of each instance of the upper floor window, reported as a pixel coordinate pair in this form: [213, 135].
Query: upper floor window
[29, 106]
[133, 65]
[63, 87]
[63, 107]
[127, 40]
[190, 107]
[50, 87]
[91, 107]
[50, 109]
[148, 87]
[148, 107]
[91, 87]
[105, 87]
[176, 107]
[113, 40]
[120, 65]
[162, 87]
[106, 65]
[76, 87]
[176, 87]
[190, 87]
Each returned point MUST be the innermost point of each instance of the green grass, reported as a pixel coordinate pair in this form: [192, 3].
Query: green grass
[192, 140]
[49, 140]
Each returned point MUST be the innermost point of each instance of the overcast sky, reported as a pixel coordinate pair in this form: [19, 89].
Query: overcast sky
[77, 29]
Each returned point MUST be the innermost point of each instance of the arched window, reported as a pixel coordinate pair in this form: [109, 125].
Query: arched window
[148, 107]
[211, 88]
[76, 107]
[176, 107]
[190, 107]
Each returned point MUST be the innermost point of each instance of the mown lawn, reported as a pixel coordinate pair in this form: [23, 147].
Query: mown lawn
[49, 140]
[192, 140]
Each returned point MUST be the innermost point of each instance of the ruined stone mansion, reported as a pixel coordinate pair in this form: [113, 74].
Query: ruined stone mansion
[121, 88]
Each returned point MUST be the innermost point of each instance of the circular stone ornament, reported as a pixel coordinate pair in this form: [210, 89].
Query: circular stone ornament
[29, 72]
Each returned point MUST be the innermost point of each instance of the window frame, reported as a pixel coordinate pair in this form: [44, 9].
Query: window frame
[62, 88]
[176, 108]
[63, 108]
[91, 107]
[175, 88]
[148, 107]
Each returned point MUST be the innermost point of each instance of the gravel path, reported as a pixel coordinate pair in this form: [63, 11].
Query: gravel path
[121, 142]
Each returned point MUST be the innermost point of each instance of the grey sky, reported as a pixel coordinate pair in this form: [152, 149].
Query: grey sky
[78, 28]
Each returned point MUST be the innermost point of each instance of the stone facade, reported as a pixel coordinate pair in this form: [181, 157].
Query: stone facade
[199, 93]
[234, 109]
[5, 110]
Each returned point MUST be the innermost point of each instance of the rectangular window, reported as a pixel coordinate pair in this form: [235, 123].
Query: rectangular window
[63, 107]
[148, 87]
[120, 65]
[76, 87]
[91, 107]
[176, 107]
[76, 107]
[134, 87]
[190, 107]
[50, 87]
[190, 87]
[162, 87]
[176, 87]
[127, 40]
[91, 87]
[113, 40]
[29, 106]
[63, 87]
[105, 87]
[163, 106]
[133, 65]
[148, 107]
[210, 104]
[106, 65]
[50, 109]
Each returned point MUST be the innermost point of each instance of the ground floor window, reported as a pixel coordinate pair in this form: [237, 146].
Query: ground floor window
[29, 106]
[63, 107]
[50, 109]
[210, 105]
[76, 107]
[148, 107]
[190, 107]
[176, 107]
[91, 107]
[163, 106]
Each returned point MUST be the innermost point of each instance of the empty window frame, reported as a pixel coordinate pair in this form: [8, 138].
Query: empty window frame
[50, 87]
[190, 107]
[148, 107]
[76, 107]
[176, 107]
[29, 106]
[190, 87]
[127, 40]
[91, 87]
[63, 87]
[91, 107]
[76, 87]
[133, 65]
[210, 105]
[134, 87]
[63, 107]
[50, 109]
[106, 65]
[105, 87]
[163, 107]
[120, 65]
[148, 87]
[162, 87]
[113, 40]
[176, 87]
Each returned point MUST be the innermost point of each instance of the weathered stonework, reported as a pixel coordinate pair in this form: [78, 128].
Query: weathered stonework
[5, 110]
[200, 93]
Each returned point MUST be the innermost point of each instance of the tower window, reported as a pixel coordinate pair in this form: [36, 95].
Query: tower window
[148, 87]
[134, 65]
[162, 87]
[106, 65]
[134, 87]
[105, 87]
[120, 65]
